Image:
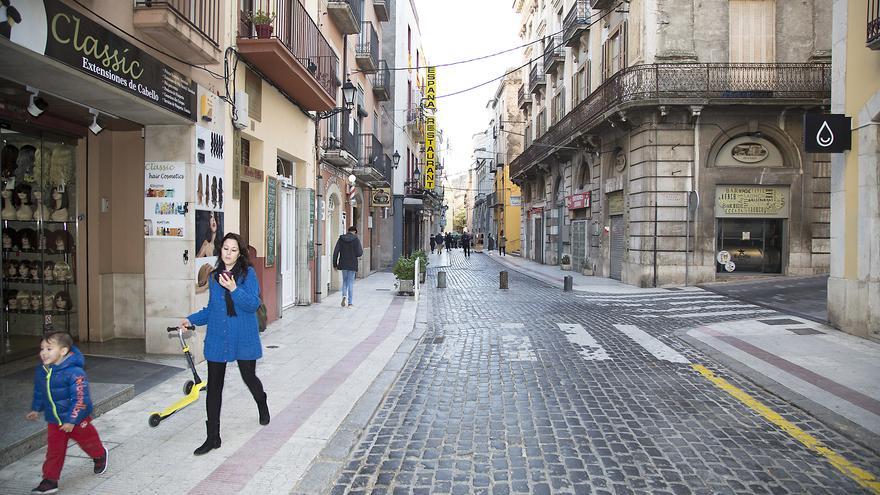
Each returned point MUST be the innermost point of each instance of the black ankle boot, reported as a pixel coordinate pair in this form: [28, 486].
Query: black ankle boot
[213, 440]
[263, 407]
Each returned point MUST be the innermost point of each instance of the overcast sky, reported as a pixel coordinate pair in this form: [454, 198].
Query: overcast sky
[454, 30]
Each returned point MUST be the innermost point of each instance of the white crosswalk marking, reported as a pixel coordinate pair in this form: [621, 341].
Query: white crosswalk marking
[578, 335]
[722, 313]
[696, 308]
[692, 303]
[517, 348]
[655, 347]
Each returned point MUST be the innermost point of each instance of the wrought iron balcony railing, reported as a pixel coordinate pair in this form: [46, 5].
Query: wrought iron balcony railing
[367, 54]
[524, 98]
[300, 35]
[576, 22]
[202, 16]
[554, 53]
[873, 39]
[682, 83]
[536, 76]
[382, 82]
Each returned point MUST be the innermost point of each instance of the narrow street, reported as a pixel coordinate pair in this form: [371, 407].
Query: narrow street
[529, 390]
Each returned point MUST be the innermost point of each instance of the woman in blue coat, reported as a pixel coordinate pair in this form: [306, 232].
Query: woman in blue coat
[233, 334]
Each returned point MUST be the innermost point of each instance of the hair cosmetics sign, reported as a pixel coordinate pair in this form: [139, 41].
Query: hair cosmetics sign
[53, 29]
[164, 203]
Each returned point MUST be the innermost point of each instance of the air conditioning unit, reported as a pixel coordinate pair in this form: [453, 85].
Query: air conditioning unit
[240, 117]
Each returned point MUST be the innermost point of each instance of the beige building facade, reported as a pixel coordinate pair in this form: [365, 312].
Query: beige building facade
[664, 137]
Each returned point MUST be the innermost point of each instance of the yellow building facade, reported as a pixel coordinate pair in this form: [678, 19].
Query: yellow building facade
[854, 284]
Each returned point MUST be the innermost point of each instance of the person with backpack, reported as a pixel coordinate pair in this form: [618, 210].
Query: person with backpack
[345, 258]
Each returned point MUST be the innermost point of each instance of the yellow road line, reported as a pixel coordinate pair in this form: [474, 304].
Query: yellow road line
[861, 476]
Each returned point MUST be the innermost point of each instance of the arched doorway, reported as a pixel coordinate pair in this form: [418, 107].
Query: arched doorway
[333, 228]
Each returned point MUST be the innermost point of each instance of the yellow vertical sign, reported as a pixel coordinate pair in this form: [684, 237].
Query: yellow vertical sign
[430, 146]
[431, 88]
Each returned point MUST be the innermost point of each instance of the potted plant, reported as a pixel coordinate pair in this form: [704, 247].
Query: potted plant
[565, 262]
[262, 22]
[404, 269]
[587, 267]
[423, 263]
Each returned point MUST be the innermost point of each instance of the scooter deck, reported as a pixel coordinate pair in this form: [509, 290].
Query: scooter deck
[184, 401]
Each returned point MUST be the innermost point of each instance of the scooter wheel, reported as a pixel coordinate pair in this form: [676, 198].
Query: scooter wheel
[155, 419]
[187, 387]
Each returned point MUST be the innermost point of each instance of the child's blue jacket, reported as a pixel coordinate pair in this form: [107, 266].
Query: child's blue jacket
[230, 338]
[61, 391]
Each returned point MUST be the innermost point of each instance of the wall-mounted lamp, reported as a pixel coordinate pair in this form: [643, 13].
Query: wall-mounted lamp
[95, 127]
[348, 94]
[395, 159]
[36, 105]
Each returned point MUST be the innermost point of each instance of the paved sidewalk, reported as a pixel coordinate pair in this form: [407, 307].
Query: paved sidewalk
[318, 361]
[806, 297]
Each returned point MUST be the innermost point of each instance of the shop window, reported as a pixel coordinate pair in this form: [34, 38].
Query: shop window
[253, 86]
[245, 152]
[753, 244]
[40, 240]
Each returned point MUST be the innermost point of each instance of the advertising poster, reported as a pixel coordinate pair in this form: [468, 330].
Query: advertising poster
[209, 199]
[164, 199]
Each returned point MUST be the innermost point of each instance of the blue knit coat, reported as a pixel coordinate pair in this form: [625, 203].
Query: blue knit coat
[230, 338]
[61, 391]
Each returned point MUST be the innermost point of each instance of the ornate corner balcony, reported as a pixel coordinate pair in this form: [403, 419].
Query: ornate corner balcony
[346, 14]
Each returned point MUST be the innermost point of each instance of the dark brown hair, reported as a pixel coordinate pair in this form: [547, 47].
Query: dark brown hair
[239, 271]
[63, 339]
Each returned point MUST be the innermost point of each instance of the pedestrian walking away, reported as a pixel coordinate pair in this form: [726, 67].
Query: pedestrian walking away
[61, 393]
[448, 241]
[345, 258]
[439, 240]
[233, 332]
[502, 244]
[466, 244]
[433, 244]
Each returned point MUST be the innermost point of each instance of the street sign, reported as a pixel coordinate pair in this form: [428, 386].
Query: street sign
[827, 133]
[723, 257]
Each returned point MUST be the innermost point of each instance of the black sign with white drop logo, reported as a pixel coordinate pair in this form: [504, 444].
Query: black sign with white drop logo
[827, 133]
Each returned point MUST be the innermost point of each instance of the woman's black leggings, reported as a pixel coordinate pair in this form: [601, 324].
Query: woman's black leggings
[216, 375]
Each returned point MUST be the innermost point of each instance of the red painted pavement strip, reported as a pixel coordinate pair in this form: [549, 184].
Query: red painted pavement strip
[842, 391]
[236, 471]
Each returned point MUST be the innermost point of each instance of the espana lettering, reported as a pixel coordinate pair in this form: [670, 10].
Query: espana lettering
[92, 47]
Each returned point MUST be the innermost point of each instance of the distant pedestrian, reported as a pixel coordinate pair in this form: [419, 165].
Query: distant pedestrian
[233, 333]
[433, 244]
[502, 244]
[439, 240]
[448, 241]
[61, 393]
[345, 258]
[466, 244]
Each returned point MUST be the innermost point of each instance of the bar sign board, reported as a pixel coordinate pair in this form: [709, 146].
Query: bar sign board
[827, 133]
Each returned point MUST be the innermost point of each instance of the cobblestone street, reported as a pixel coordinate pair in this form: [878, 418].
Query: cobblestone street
[532, 390]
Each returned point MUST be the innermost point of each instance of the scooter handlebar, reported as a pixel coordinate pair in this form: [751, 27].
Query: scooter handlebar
[174, 329]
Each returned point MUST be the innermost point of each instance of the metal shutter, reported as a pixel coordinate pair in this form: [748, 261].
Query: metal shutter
[616, 247]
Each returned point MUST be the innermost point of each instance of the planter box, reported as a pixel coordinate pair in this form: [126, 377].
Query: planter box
[565, 268]
[405, 287]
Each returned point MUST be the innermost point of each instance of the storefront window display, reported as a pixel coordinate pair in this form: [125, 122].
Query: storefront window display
[753, 245]
[39, 232]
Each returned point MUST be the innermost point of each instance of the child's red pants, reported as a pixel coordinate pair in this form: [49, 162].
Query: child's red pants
[83, 434]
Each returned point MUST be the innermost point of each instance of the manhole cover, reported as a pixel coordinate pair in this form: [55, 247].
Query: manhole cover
[804, 331]
[781, 321]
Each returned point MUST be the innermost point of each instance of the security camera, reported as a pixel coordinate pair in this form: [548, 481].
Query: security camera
[37, 105]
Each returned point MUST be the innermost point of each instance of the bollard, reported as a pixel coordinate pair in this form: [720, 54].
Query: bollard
[441, 280]
[567, 283]
[502, 279]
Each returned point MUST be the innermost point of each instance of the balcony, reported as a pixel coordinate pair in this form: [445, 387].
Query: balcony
[189, 30]
[536, 77]
[341, 147]
[554, 54]
[601, 4]
[294, 55]
[371, 166]
[346, 14]
[414, 114]
[382, 10]
[873, 39]
[382, 82]
[367, 53]
[576, 22]
[682, 84]
[524, 98]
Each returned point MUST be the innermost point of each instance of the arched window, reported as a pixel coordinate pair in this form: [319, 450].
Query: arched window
[584, 178]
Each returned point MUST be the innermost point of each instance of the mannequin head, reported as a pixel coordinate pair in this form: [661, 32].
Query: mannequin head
[62, 301]
[21, 195]
[59, 199]
[12, 299]
[24, 269]
[28, 239]
[48, 270]
[8, 158]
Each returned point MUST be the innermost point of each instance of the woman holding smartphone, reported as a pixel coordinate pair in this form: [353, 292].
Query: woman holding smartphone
[233, 334]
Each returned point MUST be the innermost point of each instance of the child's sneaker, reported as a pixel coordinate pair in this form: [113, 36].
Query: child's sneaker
[46, 486]
[101, 462]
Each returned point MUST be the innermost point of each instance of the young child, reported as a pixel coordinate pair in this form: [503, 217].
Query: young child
[61, 393]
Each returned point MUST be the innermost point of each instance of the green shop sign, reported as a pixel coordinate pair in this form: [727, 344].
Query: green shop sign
[53, 29]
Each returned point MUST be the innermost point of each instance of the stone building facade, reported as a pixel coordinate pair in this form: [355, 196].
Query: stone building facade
[659, 144]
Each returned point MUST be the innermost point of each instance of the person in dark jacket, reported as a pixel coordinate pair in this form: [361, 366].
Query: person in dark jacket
[439, 240]
[448, 241]
[233, 332]
[61, 393]
[345, 258]
[466, 244]
[433, 244]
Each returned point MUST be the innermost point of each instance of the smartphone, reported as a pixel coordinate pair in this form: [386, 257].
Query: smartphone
[226, 273]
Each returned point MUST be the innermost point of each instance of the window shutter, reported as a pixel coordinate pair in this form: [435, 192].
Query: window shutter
[253, 86]
[752, 31]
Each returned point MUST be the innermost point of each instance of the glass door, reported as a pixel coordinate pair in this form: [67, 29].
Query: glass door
[39, 232]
